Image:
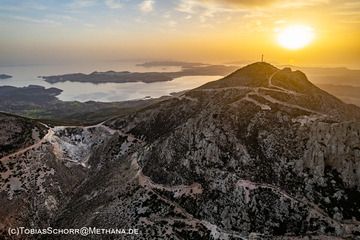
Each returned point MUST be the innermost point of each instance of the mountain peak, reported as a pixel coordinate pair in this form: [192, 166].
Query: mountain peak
[259, 66]
[269, 87]
[265, 75]
[252, 75]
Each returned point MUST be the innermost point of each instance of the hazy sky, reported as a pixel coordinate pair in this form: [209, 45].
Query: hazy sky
[52, 31]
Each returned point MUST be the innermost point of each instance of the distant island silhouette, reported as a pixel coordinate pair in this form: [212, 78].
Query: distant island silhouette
[5, 76]
[188, 69]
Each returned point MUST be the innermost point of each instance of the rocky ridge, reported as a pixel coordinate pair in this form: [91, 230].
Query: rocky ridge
[261, 153]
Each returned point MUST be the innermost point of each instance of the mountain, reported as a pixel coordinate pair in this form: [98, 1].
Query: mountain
[341, 82]
[259, 154]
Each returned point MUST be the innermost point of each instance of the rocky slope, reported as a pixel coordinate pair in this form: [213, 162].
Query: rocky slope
[259, 154]
[18, 133]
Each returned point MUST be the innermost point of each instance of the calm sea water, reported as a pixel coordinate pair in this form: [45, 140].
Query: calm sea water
[107, 92]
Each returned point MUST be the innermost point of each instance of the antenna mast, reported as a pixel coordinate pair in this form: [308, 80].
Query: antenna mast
[262, 57]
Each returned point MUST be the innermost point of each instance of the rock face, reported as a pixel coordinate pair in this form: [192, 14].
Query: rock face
[259, 154]
[335, 145]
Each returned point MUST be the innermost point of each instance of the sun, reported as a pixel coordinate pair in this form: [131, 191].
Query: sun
[295, 37]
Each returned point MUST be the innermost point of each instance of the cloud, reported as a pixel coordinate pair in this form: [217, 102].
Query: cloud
[236, 3]
[24, 6]
[35, 6]
[207, 9]
[147, 6]
[200, 8]
[187, 6]
[82, 3]
[60, 17]
[113, 4]
[190, 6]
[89, 25]
[36, 20]
[172, 23]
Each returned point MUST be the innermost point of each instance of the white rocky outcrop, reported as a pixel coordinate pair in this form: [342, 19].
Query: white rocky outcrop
[336, 145]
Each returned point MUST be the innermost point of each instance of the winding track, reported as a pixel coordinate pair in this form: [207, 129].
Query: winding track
[271, 87]
[147, 183]
[150, 185]
[254, 91]
[48, 137]
[284, 90]
[35, 145]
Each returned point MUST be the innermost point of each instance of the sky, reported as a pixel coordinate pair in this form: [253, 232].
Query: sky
[211, 31]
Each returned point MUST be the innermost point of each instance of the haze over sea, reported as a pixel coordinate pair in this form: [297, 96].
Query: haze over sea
[107, 92]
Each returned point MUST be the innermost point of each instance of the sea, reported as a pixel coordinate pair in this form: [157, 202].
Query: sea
[106, 92]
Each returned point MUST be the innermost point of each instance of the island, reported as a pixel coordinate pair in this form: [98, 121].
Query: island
[170, 64]
[5, 76]
[191, 69]
[110, 77]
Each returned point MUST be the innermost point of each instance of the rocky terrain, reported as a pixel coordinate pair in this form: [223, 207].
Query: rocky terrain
[259, 154]
[18, 133]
